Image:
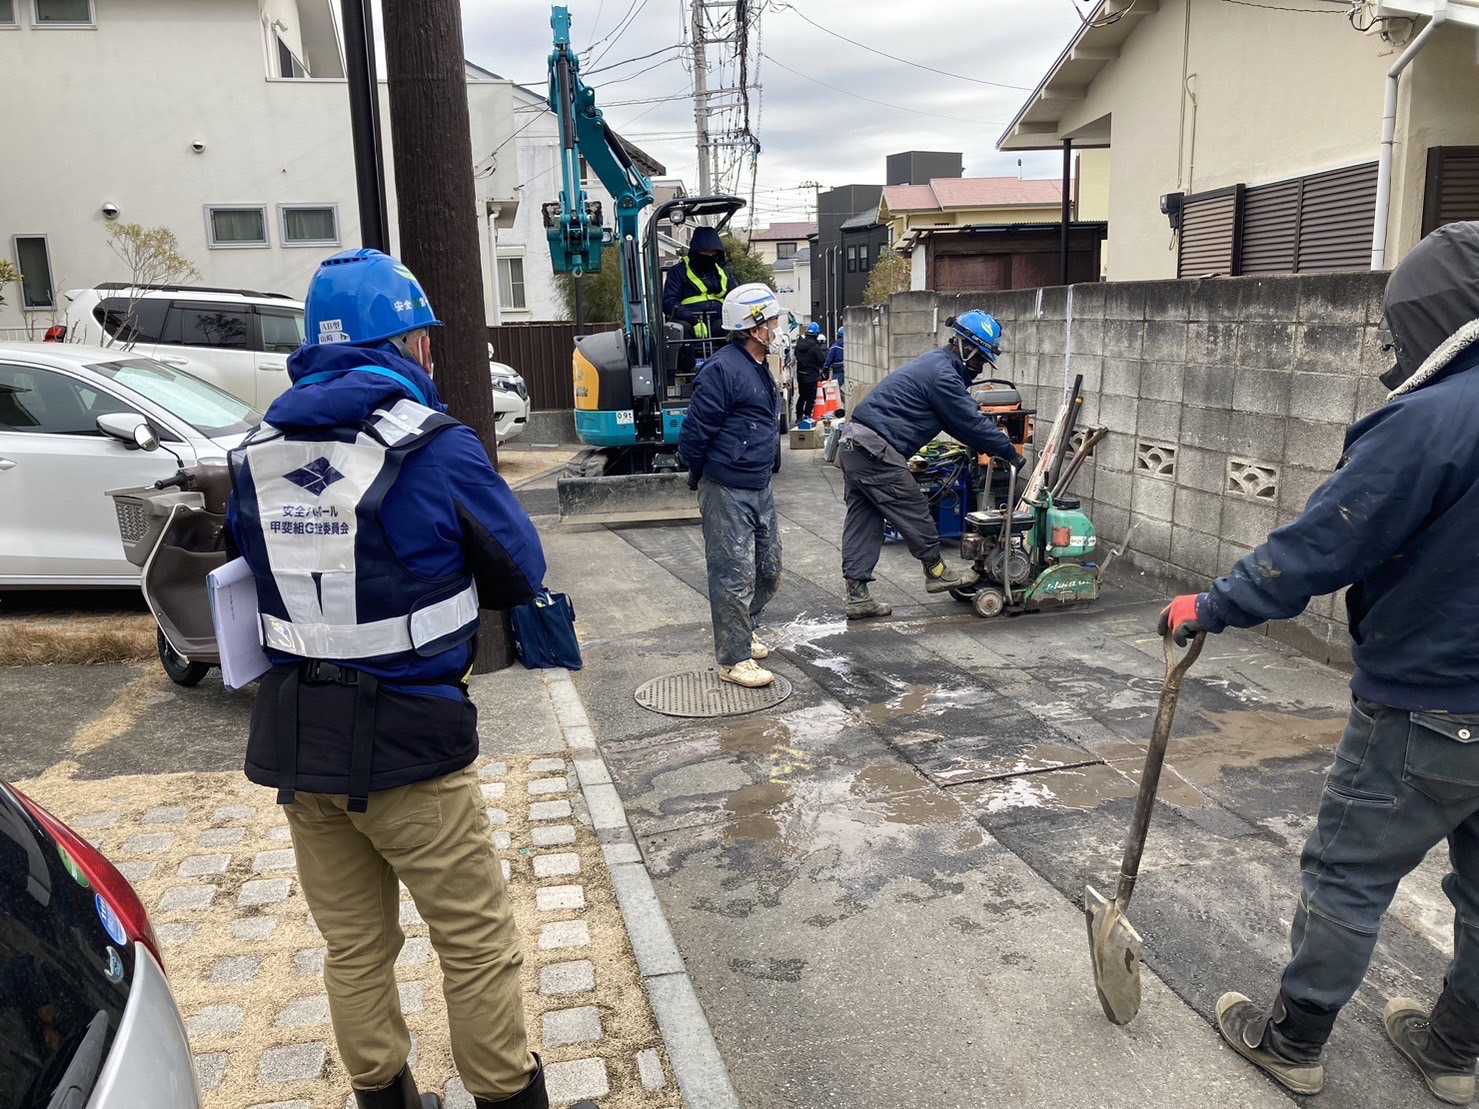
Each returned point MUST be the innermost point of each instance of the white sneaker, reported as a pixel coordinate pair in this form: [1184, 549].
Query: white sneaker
[758, 650]
[749, 674]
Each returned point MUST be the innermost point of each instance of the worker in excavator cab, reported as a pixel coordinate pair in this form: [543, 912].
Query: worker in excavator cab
[694, 291]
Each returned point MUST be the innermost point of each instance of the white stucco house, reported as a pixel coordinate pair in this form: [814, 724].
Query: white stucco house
[236, 138]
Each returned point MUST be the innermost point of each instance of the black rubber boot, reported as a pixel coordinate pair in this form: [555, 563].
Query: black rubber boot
[860, 605]
[532, 1096]
[1286, 1042]
[400, 1094]
[940, 578]
[1443, 1045]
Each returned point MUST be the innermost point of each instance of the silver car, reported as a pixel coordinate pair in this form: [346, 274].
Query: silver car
[86, 1013]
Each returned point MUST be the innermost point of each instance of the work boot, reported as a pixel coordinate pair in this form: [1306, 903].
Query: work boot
[758, 650]
[400, 1094]
[1442, 1045]
[860, 606]
[748, 673]
[939, 578]
[532, 1096]
[1286, 1043]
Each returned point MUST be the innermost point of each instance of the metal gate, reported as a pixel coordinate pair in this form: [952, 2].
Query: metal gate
[541, 352]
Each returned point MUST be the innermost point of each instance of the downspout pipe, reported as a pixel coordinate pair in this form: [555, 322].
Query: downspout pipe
[1389, 135]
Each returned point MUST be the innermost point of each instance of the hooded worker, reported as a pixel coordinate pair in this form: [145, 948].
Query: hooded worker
[903, 412]
[695, 289]
[1395, 523]
[376, 528]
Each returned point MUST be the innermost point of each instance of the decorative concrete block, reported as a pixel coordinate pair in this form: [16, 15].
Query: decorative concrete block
[187, 899]
[221, 837]
[1202, 470]
[650, 1070]
[197, 866]
[497, 817]
[550, 810]
[264, 891]
[547, 766]
[564, 933]
[1197, 509]
[215, 1020]
[1265, 391]
[540, 787]
[234, 812]
[1244, 521]
[556, 866]
[210, 1070]
[308, 964]
[502, 840]
[1195, 552]
[298, 1063]
[558, 979]
[281, 834]
[1112, 490]
[1152, 536]
[416, 952]
[1158, 419]
[1118, 414]
[1153, 498]
[553, 835]
[553, 899]
[413, 997]
[166, 814]
[172, 935]
[304, 1012]
[235, 970]
[96, 820]
[148, 843]
[279, 859]
[572, 1026]
[410, 916]
[581, 1078]
[493, 770]
[1328, 398]
[494, 791]
[253, 927]
[137, 871]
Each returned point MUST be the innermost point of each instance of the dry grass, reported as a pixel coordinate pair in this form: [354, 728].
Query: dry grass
[76, 640]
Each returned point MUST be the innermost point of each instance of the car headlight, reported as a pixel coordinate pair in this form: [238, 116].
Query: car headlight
[513, 385]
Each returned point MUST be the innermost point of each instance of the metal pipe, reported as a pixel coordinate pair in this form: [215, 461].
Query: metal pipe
[1066, 213]
[364, 124]
[1389, 135]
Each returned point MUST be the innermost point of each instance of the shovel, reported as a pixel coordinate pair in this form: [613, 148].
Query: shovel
[1114, 945]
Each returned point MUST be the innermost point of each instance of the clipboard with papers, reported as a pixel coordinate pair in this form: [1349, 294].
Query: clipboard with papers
[233, 598]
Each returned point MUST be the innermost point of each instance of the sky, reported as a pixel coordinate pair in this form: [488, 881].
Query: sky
[808, 132]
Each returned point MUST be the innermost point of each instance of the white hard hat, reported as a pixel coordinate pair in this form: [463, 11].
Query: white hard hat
[749, 305]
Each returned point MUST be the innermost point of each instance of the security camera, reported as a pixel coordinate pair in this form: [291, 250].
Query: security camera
[198, 146]
[110, 210]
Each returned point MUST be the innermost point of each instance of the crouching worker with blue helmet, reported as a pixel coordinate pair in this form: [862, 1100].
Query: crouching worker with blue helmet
[902, 413]
[376, 528]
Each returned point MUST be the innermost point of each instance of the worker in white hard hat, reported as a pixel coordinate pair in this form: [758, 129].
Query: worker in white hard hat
[731, 444]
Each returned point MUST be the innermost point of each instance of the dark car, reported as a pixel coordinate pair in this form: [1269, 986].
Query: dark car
[87, 1018]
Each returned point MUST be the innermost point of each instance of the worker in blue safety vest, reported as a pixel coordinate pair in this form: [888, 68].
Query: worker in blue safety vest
[376, 528]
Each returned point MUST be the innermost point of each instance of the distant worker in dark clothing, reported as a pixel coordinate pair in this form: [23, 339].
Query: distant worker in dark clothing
[903, 412]
[1391, 523]
[811, 357]
[695, 289]
[833, 367]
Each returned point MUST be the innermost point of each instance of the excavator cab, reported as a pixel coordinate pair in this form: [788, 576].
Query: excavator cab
[682, 354]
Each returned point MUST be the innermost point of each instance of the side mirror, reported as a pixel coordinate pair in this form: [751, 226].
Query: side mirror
[129, 427]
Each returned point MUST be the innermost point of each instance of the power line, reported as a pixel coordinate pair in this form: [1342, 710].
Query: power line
[631, 18]
[894, 57]
[628, 61]
[880, 103]
[1281, 8]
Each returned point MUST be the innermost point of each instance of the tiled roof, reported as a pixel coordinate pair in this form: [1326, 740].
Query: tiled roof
[862, 219]
[971, 192]
[777, 232]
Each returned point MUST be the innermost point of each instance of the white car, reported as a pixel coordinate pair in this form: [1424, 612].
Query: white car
[510, 398]
[57, 526]
[234, 339]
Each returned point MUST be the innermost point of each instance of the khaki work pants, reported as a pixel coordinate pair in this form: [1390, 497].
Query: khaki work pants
[433, 836]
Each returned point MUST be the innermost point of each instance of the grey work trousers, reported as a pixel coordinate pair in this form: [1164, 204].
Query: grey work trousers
[742, 547]
[1402, 782]
[878, 487]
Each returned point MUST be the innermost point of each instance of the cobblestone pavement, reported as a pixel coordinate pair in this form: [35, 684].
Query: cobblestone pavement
[210, 856]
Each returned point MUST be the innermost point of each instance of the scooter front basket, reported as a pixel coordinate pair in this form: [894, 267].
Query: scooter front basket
[142, 513]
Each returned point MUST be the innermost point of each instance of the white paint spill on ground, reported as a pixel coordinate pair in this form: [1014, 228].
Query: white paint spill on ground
[1021, 793]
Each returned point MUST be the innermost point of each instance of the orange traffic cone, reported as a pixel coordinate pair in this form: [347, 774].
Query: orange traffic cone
[829, 400]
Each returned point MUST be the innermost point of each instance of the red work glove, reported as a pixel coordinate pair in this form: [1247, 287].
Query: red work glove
[1180, 618]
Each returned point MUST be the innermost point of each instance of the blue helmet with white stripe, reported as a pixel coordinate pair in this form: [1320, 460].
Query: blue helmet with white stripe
[981, 331]
[364, 297]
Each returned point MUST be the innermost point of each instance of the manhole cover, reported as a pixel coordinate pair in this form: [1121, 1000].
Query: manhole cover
[701, 693]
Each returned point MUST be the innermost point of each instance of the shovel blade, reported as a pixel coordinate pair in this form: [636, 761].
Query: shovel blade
[1114, 948]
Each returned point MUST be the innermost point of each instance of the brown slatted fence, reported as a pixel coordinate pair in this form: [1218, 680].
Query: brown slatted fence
[541, 352]
[1452, 187]
[1210, 225]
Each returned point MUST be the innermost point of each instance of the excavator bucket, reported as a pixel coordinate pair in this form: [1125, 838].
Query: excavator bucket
[627, 499]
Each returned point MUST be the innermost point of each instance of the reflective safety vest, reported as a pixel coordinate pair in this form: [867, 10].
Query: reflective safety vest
[707, 295]
[329, 584]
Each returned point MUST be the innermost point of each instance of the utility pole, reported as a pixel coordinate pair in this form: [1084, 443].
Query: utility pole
[701, 100]
[439, 234]
[364, 124]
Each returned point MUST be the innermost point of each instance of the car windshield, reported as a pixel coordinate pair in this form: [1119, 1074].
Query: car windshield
[208, 410]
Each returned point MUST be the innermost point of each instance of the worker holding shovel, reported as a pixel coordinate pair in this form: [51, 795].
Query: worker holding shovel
[1395, 523]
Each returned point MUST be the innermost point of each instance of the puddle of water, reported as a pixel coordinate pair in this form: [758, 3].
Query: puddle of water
[755, 812]
[754, 736]
[1247, 740]
[916, 699]
[804, 632]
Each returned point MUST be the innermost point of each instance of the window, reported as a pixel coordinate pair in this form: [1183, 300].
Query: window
[852, 259]
[511, 283]
[863, 258]
[63, 13]
[310, 225]
[237, 227]
[46, 403]
[785, 250]
[287, 63]
[132, 321]
[7, 14]
[282, 331]
[34, 261]
[223, 326]
[204, 407]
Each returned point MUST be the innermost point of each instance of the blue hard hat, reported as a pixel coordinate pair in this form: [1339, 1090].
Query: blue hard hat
[839, 332]
[813, 328]
[362, 297]
[981, 330]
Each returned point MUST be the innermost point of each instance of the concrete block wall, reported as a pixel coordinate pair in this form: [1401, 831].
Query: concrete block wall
[1226, 399]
